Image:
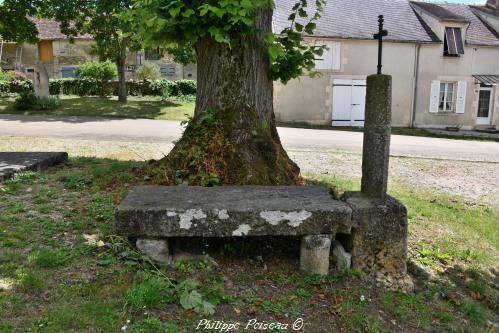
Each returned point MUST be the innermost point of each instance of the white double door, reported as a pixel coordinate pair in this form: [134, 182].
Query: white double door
[349, 102]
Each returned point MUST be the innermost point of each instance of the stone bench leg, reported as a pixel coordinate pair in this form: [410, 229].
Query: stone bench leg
[314, 255]
[156, 249]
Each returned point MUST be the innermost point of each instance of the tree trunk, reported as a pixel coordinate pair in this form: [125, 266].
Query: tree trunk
[122, 86]
[232, 138]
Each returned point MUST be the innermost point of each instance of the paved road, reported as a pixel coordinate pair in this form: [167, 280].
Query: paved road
[143, 130]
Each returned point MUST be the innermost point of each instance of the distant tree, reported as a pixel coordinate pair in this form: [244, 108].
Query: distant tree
[103, 19]
[232, 138]
[14, 23]
[148, 71]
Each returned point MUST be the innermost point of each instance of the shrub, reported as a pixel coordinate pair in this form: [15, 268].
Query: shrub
[19, 76]
[20, 86]
[148, 71]
[27, 100]
[47, 103]
[100, 71]
[186, 87]
[4, 88]
[91, 87]
[6, 76]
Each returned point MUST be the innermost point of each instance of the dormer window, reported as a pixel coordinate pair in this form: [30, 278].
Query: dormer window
[453, 42]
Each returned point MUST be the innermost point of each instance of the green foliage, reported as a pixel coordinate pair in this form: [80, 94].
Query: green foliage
[99, 71]
[474, 310]
[4, 88]
[15, 24]
[6, 76]
[182, 54]
[148, 71]
[191, 299]
[27, 100]
[31, 282]
[149, 293]
[290, 56]
[88, 87]
[19, 86]
[47, 103]
[155, 288]
[180, 25]
[154, 325]
[48, 258]
[183, 88]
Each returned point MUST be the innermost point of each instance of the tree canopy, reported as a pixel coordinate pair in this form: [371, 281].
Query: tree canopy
[179, 24]
[14, 20]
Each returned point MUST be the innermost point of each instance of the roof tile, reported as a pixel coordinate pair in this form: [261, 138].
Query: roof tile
[358, 19]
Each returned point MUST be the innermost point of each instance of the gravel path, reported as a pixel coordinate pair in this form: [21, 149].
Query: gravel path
[475, 181]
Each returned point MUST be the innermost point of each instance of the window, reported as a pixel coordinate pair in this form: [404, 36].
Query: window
[68, 72]
[331, 57]
[446, 100]
[453, 42]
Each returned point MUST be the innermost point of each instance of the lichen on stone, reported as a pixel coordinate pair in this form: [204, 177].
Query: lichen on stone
[189, 215]
[295, 219]
[242, 230]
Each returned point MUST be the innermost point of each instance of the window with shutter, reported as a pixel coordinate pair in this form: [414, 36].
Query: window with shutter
[331, 58]
[453, 42]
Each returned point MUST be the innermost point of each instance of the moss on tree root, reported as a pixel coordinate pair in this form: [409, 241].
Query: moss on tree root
[227, 148]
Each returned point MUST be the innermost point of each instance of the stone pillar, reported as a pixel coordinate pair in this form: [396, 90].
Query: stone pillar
[379, 248]
[377, 131]
[314, 255]
[41, 80]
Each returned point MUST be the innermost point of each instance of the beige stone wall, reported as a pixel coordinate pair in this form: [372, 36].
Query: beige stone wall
[309, 100]
[434, 66]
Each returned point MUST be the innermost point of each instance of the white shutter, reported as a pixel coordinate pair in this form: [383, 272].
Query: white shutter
[331, 57]
[336, 48]
[461, 96]
[434, 96]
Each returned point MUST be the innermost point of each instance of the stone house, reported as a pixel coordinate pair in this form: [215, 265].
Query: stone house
[54, 50]
[61, 57]
[444, 60]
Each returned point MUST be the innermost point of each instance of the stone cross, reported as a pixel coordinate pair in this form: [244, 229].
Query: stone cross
[379, 36]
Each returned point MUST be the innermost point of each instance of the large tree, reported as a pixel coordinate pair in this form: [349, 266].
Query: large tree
[103, 19]
[14, 20]
[232, 138]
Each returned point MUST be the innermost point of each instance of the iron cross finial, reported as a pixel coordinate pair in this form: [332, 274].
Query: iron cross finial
[379, 36]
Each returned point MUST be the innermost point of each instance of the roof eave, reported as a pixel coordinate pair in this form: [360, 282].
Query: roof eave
[372, 39]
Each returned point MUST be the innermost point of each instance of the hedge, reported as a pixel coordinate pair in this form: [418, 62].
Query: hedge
[88, 87]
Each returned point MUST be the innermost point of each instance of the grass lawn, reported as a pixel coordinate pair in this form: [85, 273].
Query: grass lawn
[136, 107]
[62, 270]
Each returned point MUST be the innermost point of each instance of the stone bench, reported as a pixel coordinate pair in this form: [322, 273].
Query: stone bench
[375, 229]
[152, 214]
